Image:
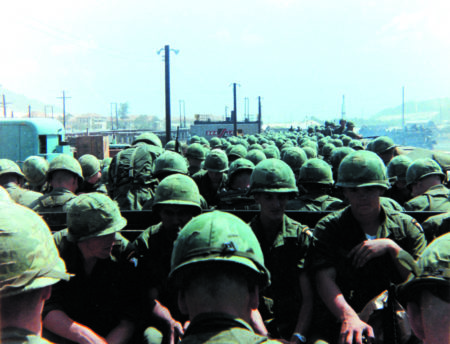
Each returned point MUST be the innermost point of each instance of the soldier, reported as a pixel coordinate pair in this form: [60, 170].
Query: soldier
[316, 179]
[29, 265]
[295, 157]
[64, 175]
[215, 143]
[92, 174]
[354, 257]
[195, 156]
[255, 156]
[212, 179]
[426, 295]
[97, 305]
[436, 225]
[425, 177]
[236, 152]
[169, 163]
[350, 131]
[341, 128]
[384, 147]
[396, 171]
[177, 200]
[287, 302]
[218, 270]
[35, 169]
[11, 178]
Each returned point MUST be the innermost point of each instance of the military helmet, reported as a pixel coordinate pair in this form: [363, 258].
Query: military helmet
[255, 146]
[433, 271]
[327, 149]
[237, 151]
[8, 166]
[272, 175]
[398, 166]
[89, 165]
[310, 152]
[338, 155]
[255, 156]
[272, 152]
[316, 171]
[217, 238]
[65, 162]
[361, 169]
[170, 145]
[204, 141]
[196, 151]
[177, 189]
[170, 162]
[346, 140]
[216, 161]
[93, 215]
[149, 138]
[381, 144]
[29, 259]
[194, 139]
[422, 168]
[337, 142]
[356, 144]
[240, 164]
[252, 139]
[295, 157]
[215, 142]
[35, 169]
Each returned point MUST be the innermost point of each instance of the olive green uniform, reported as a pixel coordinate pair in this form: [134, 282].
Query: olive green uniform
[285, 259]
[312, 202]
[436, 198]
[204, 185]
[56, 200]
[14, 335]
[22, 196]
[221, 328]
[437, 225]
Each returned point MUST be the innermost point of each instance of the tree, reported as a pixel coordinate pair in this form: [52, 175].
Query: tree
[123, 110]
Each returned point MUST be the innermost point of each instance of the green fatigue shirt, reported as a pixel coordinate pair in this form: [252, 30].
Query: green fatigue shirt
[22, 196]
[55, 201]
[88, 187]
[99, 300]
[204, 186]
[384, 201]
[193, 170]
[236, 200]
[398, 195]
[221, 328]
[15, 335]
[338, 233]
[285, 259]
[435, 226]
[153, 251]
[436, 198]
[311, 202]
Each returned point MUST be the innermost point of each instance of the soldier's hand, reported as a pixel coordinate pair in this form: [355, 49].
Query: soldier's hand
[176, 332]
[355, 331]
[87, 336]
[370, 249]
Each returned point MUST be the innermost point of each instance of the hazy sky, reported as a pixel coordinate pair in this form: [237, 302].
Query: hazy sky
[299, 56]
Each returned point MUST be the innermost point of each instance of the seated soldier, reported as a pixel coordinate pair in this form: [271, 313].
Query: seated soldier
[435, 226]
[287, 304]
[100, 304]
[426, 296]
[30, 265]
[177, 200]
[12, 178]
[35, 169]
[384, 147]
[425, 177]
[218, 269]
[354, 257]
[195, 156]
[92, 174]
[396, 171]
[64, 175]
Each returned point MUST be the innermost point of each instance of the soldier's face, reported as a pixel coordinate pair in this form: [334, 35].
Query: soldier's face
[99, 247]
[174, 217]
[364, 201]
[216, 177]
[272, 204]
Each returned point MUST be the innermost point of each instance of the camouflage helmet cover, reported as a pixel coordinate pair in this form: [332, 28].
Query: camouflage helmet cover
[237, 151]
[381, 144]
[240, 164]
[398, 166]
[35, 169]
[218, 237]
[9, 166]
[316, 171]
[29, 259]
[149, 138]
[196, 151]
[90, 165]
[255, 156]
[170, 162]
[216, 161]
[272, 175]
[422, 168]
[362, 169]
[92, 215]
[64, 162]
[295, 157]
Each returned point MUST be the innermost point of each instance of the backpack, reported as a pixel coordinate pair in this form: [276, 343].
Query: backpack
[130, 175]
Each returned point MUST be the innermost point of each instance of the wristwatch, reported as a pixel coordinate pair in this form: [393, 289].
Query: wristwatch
[301, 338]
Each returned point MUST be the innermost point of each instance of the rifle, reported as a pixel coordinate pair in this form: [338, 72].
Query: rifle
[177, 143]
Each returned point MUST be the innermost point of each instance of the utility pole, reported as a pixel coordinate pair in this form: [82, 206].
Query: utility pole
[343, 107]
[29, 111]
[181, 103]
[234, 117]
[4, 103]
[259, 115]
[117, 118]
[403, 114]
[167, 88]
[64, 107]
[111, 113]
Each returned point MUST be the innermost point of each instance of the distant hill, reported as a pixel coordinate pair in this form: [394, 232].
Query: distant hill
[19, 104]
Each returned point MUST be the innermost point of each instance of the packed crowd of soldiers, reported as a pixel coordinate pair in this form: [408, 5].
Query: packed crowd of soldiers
[201, 274]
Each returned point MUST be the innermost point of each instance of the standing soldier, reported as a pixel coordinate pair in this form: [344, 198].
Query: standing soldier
[212, 179]
[11, 178]
[288, 301]
[177, 200]
[29, 265]
[354, 257]
[218, 271]
[64, 175]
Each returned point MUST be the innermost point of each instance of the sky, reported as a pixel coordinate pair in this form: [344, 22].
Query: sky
[300, 56]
